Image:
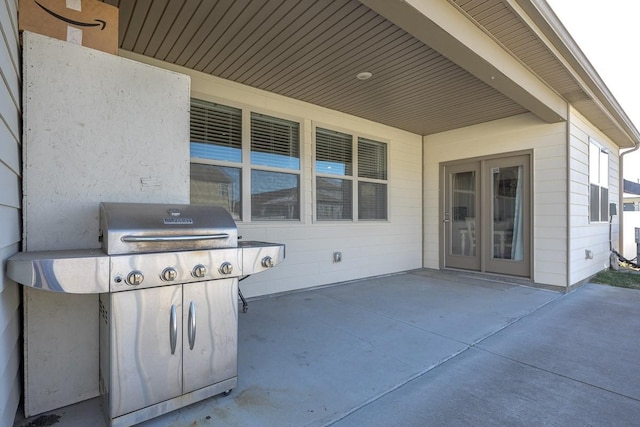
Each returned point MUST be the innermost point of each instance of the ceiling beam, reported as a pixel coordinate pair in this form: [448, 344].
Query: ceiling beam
[444, 28]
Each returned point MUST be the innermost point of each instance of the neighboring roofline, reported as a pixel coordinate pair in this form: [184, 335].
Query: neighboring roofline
[546, 19]
[630, 187]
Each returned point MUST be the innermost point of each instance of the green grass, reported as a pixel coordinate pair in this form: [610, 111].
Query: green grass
[621, 279]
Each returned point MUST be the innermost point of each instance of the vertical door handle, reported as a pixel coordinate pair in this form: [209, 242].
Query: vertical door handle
[191, 327]
[173, 329]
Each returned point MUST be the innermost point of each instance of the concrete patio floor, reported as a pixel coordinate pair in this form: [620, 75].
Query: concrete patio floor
[425, 348]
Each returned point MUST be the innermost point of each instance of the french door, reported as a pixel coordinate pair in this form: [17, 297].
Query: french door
[486, 215]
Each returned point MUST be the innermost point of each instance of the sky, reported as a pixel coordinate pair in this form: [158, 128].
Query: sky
[608, 33]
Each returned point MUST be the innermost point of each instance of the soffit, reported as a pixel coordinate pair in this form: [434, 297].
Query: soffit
[311, 51]
[499, 19]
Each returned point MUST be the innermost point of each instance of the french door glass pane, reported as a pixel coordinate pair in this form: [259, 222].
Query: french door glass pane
[217, 186]
[274, 195]
[463, 215]
[507, 233]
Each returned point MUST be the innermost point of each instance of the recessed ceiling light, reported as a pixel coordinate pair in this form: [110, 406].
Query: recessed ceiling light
[364, 75]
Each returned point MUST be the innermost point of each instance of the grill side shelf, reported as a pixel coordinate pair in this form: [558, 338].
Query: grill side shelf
[71, 272]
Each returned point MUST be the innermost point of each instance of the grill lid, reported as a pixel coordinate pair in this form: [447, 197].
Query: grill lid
[150, 227]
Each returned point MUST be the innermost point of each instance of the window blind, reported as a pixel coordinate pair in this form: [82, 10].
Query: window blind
[372, 159]
[334, 152]
[275, 142]
[215, 124]
[216, 131]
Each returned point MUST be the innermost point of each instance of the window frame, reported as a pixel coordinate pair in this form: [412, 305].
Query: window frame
[245, 165]
[598, 179]
[354, 177]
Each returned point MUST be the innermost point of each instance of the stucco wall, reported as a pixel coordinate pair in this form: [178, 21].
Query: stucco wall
[585, 235]
[10, 381]
[97, 127]
[523, 132]
[368, 248]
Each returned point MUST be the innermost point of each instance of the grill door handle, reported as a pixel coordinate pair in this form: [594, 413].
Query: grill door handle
[173, 329]
[181, 238]
[191, 327]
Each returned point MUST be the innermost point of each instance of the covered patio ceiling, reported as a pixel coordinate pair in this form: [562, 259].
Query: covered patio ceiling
[436, 65]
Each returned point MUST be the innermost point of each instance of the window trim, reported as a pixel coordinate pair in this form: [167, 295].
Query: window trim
[354, 178]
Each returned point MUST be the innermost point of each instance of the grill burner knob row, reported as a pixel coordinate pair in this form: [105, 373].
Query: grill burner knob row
[226, 268]
[135, 278]
[169, 274]
[199, 271]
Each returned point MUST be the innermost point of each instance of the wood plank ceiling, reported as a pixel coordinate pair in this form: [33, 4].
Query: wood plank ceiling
[312, 50]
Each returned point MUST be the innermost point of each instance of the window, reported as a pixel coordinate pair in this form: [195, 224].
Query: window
[598, 183]
[335, 180]
[275, 143]
[270, 170]
[216, 137]
[334, 188]
[372, 175]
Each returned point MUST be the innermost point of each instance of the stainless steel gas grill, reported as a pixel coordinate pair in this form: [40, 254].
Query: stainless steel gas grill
[167, 277]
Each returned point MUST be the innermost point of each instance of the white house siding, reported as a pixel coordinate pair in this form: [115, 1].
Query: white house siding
[9, 210]
[523, 132]
[583, 234]
[368, 248]
[631, 222]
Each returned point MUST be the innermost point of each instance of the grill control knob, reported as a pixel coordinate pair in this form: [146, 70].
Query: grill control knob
[267, 262]
[169, 274]
[199, 271]
[226, 268]
[135, 278]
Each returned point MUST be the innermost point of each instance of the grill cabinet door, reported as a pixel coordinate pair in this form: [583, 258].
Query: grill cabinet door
[213, 357]
[143, 370]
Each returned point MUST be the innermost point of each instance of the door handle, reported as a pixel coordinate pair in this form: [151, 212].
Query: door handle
[173, 329]
[191, 327]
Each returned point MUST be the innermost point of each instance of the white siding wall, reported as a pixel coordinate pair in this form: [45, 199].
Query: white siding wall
[548, 142]
[368, 248]
[631, 222]
[585, 235]
[9, 210]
